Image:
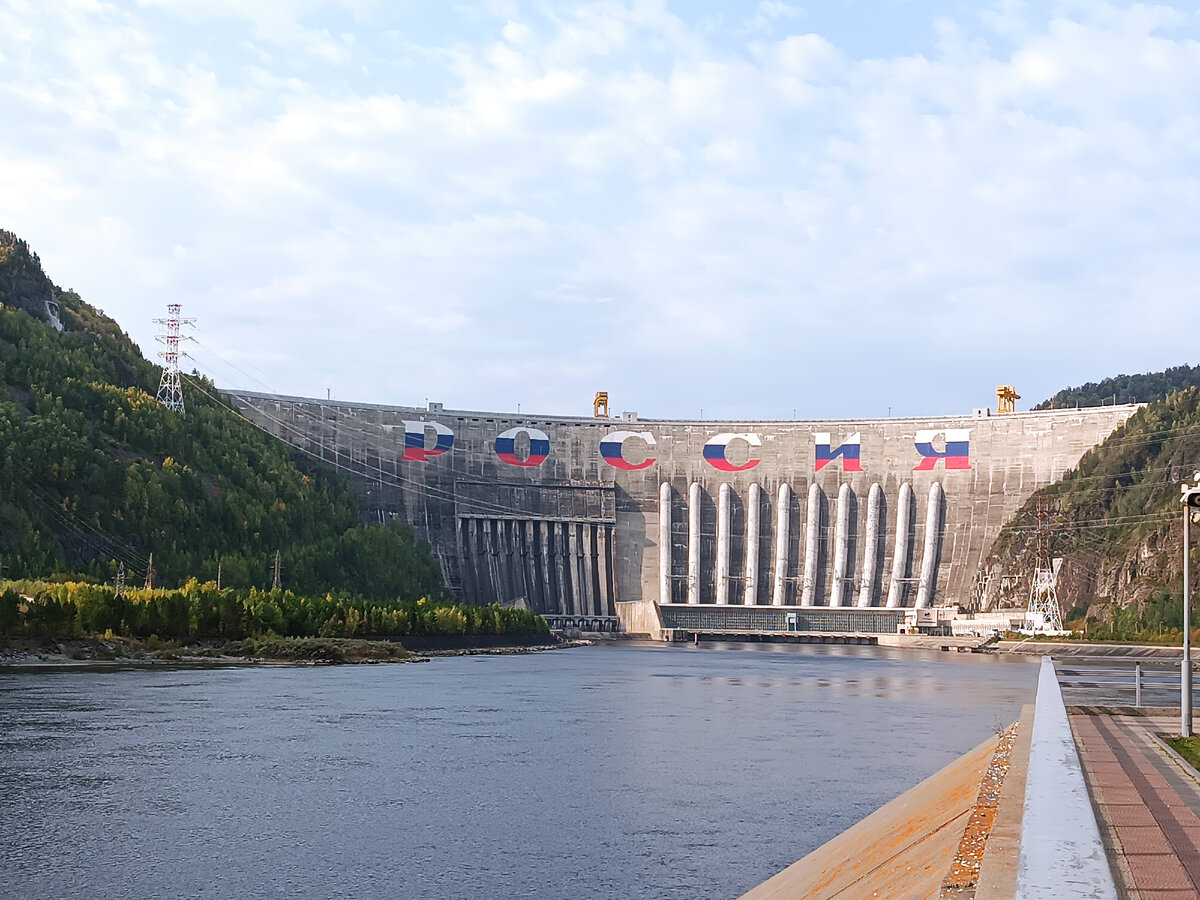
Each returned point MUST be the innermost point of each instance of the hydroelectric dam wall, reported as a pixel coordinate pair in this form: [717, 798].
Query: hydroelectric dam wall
[570, 516]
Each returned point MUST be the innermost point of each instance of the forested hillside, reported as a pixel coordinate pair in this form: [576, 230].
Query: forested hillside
[1116, 521]
[94, 472]
[1144, 388]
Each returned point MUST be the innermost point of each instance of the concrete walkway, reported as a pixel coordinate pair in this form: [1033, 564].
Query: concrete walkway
[1148, 802]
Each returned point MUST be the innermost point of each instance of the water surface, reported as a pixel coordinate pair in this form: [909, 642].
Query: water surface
[628, 771]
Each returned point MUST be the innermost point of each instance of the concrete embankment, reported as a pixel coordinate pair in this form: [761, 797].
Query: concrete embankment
[929, 841]
[932, 642]
[1017, 817]
[1094, 804]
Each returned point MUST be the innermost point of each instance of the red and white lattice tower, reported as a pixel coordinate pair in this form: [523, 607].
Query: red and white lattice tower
[1044, 615]
[170, 393]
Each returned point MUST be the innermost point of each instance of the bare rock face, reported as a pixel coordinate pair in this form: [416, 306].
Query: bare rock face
[1100, 573]
[23, 284]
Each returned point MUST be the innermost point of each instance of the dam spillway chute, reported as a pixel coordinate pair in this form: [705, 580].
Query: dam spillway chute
[753, 544]
[665, 543]
[812, 545]
[902, 552]
[782, 538]
[868, 593]
[927, 583]
[843, 558]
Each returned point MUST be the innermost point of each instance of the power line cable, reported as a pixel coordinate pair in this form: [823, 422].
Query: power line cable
[111, 545]
[248, 362]
[99, 541]
[233, 365]
[397, 480]
[377, 475]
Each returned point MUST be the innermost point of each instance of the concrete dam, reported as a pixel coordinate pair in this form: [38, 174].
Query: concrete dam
[701, 524]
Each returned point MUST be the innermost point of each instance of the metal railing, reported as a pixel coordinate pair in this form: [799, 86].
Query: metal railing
[1148, 682]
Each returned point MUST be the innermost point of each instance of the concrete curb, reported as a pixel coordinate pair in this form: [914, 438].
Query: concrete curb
[1061, 854]
[1187, 768]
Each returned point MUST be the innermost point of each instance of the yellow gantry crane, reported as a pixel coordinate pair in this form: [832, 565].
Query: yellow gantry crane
[1006, 398]
[600, 405]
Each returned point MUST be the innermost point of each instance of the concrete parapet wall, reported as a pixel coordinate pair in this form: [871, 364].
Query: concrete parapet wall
[1061, 852]
[571, 514]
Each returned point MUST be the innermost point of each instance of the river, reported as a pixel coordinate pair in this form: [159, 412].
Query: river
[611, 771]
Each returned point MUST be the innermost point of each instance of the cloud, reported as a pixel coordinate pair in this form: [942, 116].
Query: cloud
[530, 200]
[571, 294]
[769, 13]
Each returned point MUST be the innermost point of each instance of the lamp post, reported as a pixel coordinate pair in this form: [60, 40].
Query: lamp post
[1190, 498]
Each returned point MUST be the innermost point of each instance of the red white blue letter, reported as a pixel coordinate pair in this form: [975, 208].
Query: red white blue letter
[415, 440]
[957, 454]
[612, 449]
[539, 446]
[716, 452]
[850, 450]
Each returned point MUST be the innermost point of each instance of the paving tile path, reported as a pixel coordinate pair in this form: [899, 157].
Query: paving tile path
[1149, 804]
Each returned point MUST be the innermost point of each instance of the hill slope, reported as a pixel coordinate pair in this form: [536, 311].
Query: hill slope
[1144, 388]
[1116, 519]
[93, 471]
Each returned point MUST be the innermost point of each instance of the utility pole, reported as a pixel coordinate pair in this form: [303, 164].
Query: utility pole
[277, 581]
[150, 573]
[1190, 498]
[218, 574]
[119, 590]
[170, 393]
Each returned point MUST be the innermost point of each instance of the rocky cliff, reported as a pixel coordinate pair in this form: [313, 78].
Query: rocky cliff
[1115, 520]
[23, 284]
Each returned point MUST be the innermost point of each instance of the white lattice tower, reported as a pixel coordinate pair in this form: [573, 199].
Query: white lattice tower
[170, 392]
[1043, 613]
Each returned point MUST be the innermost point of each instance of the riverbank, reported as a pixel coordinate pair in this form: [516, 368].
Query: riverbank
[122, 651]
[504, 650]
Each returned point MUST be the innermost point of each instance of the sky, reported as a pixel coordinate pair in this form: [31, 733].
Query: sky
[708, 209]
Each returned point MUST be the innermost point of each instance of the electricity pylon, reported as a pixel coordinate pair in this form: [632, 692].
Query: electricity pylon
[170, 392]
[1044, 615]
